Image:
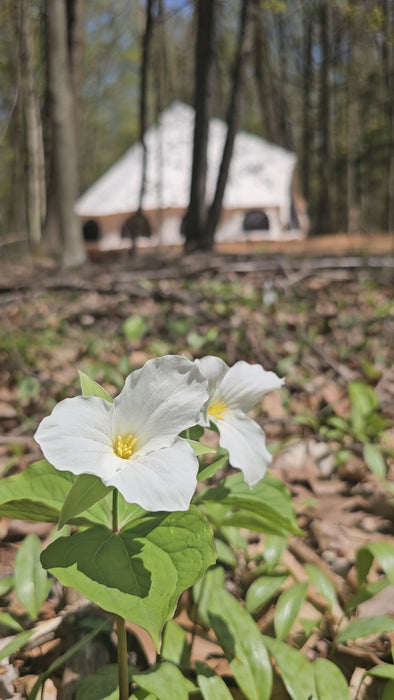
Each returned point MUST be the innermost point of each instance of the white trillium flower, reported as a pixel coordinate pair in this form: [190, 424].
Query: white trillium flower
[232, 393]
[132, 443]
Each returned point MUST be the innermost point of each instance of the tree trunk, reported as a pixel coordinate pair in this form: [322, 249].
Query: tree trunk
[263, 73]
[196, 215]
[353, 138]
[35, 175]
[307, 77]
[146, 42]
[233, 114]
[323, 195]
[63, 133]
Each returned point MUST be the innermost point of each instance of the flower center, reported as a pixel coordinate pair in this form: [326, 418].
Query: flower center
[216, 410]
[124, 447]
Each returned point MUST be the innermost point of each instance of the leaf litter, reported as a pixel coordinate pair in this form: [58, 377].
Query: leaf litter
[320, 325]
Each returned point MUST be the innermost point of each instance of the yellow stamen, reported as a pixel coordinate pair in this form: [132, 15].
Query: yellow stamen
[216, 410]
[124, 447]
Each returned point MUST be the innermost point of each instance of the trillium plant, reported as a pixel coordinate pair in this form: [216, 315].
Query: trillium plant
[139, 489]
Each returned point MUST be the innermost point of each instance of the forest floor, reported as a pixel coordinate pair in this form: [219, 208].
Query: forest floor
[319, 312]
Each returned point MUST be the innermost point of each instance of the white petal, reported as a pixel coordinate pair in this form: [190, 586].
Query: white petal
[159, 401]
[245, 441]
[214, 369]
[77, 437]
[161, 480]
[244, 385]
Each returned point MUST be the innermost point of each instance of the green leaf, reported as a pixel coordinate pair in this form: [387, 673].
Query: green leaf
[297, 673]
[242, 643]
[374, 460]
[365, 593]
[85, 492]
[165, 681]
[6, 583]
[6, 620]
[134, 327]
[202, 592]
[262, 590]
[364, 627]
[200, 449]
[206, 472]
[363, 397]
[16, 643]
[38, 493]
[287, 608]
[31, 580]
[383, 551]
[91, 388]
[175, 646]
[330, 682]
[225, 554]
[388, 693]
[211, 685]
[274, 546]
[266, 507]
[322, 583]
[138, 573]
[382, 671]
[101, 685]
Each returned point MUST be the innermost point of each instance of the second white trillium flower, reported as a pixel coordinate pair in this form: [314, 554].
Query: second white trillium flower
[132, 443]
[233, 391]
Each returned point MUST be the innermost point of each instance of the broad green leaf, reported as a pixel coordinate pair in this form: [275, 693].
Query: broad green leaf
[383, 551]
[242, 643]
[234, 537]
[91, 388]
[6, 620]
[175, 646]
[38, 493]
[363, 397]
[85, 492]
[274, 546]
[225, 554]
[382, 671]
[206, 472]
[374, 460]
[202, 592]
[322, 583]
[287, 608]
[166, 682]
[200, 449]
[138, 573]
[296, 672]
[31, 580]
[262, 590]
[330, 682]
[211, 685]
[16, 643]
[364, 627]
[266, 507]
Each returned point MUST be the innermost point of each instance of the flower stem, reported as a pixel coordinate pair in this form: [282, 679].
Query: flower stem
[115, 510]
[123, 671]
[123, 674]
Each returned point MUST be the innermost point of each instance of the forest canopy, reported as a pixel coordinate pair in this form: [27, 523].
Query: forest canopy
[318, 80]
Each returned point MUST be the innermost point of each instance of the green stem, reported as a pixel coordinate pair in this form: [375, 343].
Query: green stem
[115, 510]
[123, 671]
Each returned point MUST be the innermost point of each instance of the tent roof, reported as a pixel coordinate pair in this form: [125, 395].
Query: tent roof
[260, 172]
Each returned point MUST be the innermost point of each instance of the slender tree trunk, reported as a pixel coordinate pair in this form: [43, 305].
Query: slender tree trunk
[388, 69]
[263, 73]
[353, 207]
[196, 214]
[146, 43]
[323, 195]
[63, 133]
[233, 114]
[35, 203]
[307, 78]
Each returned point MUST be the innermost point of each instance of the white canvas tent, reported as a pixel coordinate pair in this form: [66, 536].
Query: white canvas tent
[260, 178]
